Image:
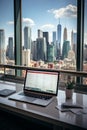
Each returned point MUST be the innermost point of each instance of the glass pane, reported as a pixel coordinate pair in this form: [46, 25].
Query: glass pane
[49, 33]
[6, 33]
[85, 42]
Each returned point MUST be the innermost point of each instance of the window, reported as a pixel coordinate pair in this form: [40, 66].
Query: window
[49, 33]
[6, 34]
[85, 42]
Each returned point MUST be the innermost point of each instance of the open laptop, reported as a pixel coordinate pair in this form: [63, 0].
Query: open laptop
[40, 87]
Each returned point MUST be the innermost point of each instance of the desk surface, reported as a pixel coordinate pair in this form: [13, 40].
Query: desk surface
[49, 114]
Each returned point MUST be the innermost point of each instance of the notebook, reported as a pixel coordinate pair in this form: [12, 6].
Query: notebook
[6, 92]
[40, 87]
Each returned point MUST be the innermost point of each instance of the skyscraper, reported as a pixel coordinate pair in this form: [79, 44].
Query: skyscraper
[10, 48]
[26, 57]
[34, 50]
[51, 53]
[2, 47]
[40, 33]
[27, 37]
[66, 48]
[65, 34]
[59, 39]
[46, 36]
[41, 49]
[54, 36]
[73, 40]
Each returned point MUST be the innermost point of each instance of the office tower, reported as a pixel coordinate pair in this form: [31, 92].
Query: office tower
[73, 40]
[66, 48]
[65, 34]
[40, 33]
[10, 48]
[41, 49]
[26, 57]
[27, 38]
[54, 43]
[59, 40]
[55, 49]
[46, 36]
[34, 50]
[50, 53]
[2, 47]
[54, 37]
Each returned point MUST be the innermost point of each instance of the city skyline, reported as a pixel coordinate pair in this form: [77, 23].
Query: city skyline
[45, 16]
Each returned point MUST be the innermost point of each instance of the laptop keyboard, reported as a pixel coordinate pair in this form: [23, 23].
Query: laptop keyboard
[45, 97]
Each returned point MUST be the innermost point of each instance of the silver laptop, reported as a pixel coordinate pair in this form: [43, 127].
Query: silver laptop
[40, 87]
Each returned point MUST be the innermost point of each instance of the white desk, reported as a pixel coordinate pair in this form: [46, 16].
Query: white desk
[48, 114]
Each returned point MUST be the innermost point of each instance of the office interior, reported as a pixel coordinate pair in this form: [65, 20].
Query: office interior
[14, 72]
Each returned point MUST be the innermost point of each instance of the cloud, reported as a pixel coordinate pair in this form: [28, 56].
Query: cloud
[24, 20]
[47, 26]
[68, 11]
[10, 22]
[28, 21]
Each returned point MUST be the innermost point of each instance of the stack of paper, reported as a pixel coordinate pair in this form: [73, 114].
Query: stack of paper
[73, 107]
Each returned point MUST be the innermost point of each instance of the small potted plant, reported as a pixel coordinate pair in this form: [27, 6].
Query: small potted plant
[69, 88]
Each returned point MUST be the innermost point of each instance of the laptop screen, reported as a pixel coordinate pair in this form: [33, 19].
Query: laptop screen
[41, 81]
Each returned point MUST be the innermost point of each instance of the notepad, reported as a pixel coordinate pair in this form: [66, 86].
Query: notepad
[6, 92]
[68, 106]
[71, 105]
[79, 111]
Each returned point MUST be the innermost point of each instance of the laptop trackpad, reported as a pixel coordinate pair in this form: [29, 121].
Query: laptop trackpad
[40, 102]
[28, 99]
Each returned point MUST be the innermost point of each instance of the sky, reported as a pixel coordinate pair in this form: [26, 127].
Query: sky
[45, 15]
[40, 14]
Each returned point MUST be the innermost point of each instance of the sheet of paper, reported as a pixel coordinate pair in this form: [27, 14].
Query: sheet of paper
[77, 111]
[59, 107]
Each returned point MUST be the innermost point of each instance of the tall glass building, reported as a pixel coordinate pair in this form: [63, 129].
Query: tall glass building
[10, 49]
[41, 49]
[54, 36]
[59, 39]
[2, 47]
[66, 48]
[50, 53]
[27, 38]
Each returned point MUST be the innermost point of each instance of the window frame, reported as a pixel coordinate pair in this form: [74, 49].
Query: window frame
[18, 35]
[80, 37]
